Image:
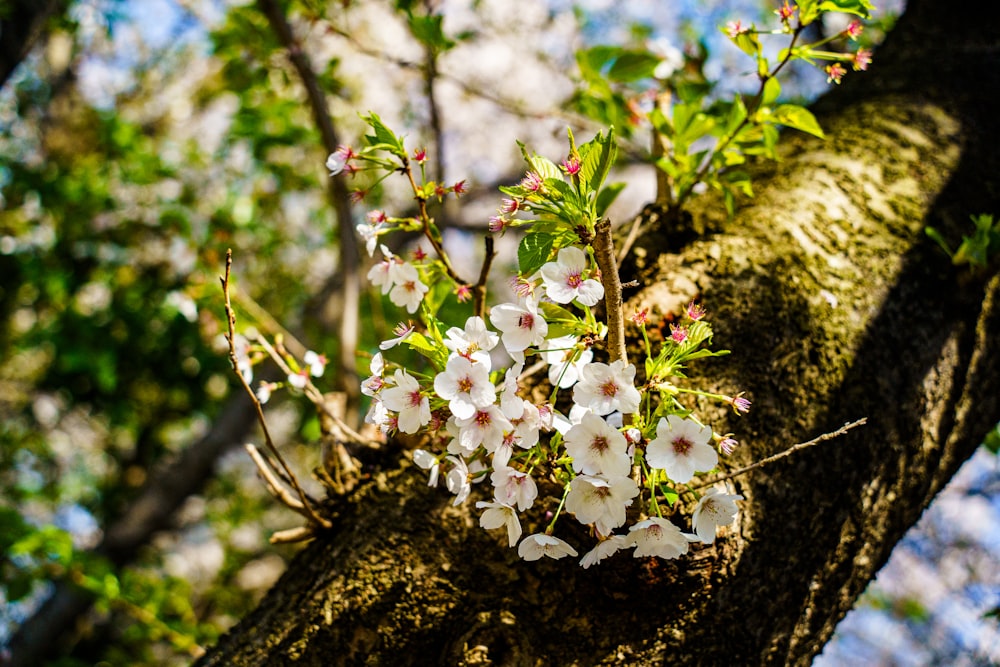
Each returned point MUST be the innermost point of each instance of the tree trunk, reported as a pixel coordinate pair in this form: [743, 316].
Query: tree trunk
[836, 306]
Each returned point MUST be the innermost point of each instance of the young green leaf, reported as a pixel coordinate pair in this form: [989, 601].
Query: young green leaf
[533, 251]
[798, 118]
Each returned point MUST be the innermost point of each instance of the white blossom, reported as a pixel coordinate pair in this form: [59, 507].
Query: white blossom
[601, 502]
[715, 508]
[264, 390]
[371, 385]
[300, 379]
[498, 515]
[514, 487]
[379, 416]
[315, 362]
[457, 480]
[658, 537]
[535, 546]
[485, 427]
[521, 324]
[408, 291]
[402, 332]
[511, 404]
[336, 162]
[474, 341]
[596, 448]
[564, 282]
[526, 427]
[606, 548]
[605, 388]
[465, 385]
[428, 462]
[406, 399]
[681, 448]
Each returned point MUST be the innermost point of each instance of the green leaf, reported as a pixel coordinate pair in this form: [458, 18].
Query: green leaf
[798, 118]
[428, 31]
[544, 167]
[383, 136]
[772, 90]
[992, 441]
[747, 42]
[607, 197]
[533, 251]
[633, 66]
[592, 61]
[417, 341]
[860, 8]
[597, 157]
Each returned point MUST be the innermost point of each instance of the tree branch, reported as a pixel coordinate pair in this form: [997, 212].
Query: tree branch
[339, 198]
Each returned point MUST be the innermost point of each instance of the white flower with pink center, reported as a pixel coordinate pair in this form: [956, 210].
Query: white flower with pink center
[498, 515]
[465, 385]
[406, 399]
[486, 427]
[408, 291]
[473, 342]
[605, 388]
[521, 324]
[715, 508]
[599, 501]
[564, 281]
[513, 487]
[374, 384]
[535, 546]
[597, 448]
[681, 448]
[658, 537]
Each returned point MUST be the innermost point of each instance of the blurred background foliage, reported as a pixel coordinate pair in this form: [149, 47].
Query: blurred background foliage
[139, 141]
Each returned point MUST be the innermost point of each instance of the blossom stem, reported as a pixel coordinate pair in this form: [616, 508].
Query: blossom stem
[718, 397]
[552, 524]
[425, 220]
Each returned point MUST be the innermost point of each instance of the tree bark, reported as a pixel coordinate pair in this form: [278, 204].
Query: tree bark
[836, 306]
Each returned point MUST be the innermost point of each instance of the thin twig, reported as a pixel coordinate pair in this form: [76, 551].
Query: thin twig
[275, 486]
[780, 455]
[313, 393]
[633, 234]
[231, 338]
[479, 289]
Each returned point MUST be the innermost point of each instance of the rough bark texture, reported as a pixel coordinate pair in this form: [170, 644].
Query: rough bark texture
[835, 306]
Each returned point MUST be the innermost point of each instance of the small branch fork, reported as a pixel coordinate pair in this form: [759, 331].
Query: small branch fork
[278, 477]
[782, 454]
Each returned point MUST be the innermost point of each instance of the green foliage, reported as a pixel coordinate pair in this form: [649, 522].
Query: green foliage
[976, 250]
[992, 441]
[703, 141]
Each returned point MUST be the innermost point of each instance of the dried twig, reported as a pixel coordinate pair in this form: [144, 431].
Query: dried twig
[780, 455]
[286, 473]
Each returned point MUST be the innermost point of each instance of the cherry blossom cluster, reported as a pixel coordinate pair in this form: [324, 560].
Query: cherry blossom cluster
[615, 451]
